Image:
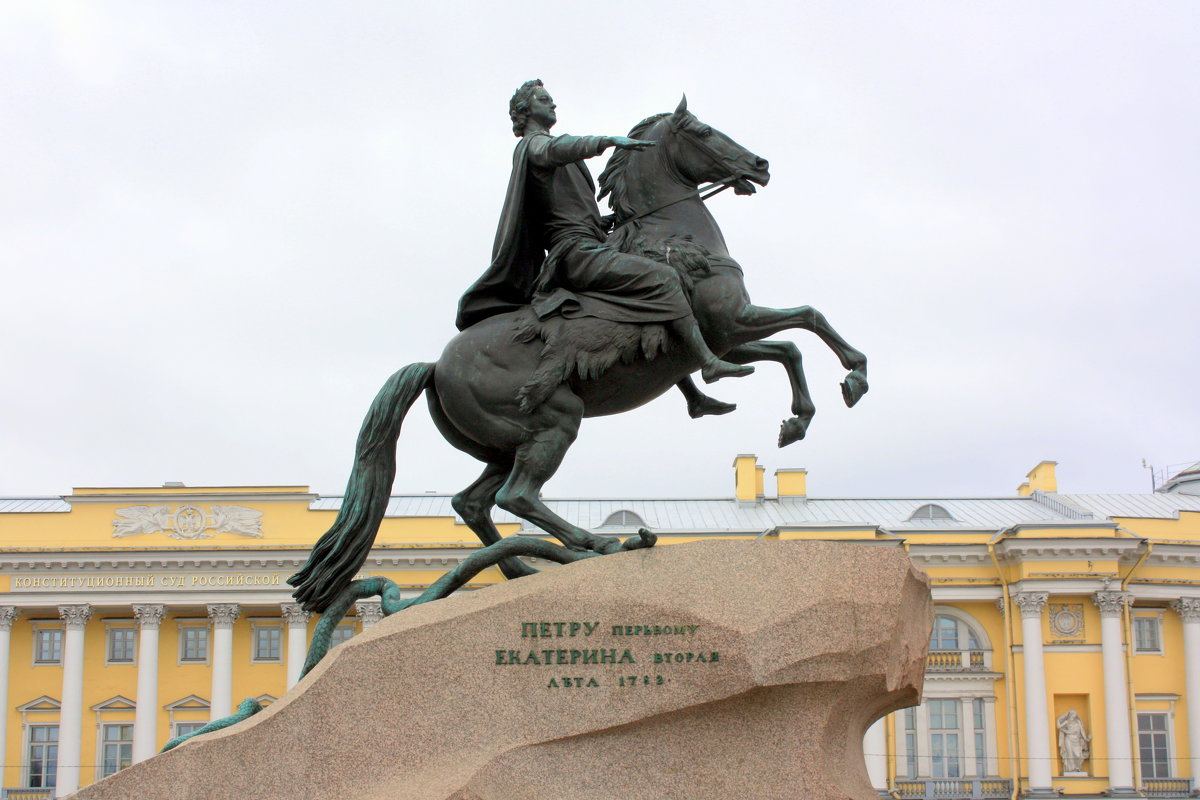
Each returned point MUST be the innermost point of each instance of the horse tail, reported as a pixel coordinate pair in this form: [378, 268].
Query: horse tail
[339, 554]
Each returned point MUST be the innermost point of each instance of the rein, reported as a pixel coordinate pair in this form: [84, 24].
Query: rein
[716, 188]
[712, 189]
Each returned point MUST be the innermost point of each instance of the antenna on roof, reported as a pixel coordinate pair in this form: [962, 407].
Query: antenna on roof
[1153, 483]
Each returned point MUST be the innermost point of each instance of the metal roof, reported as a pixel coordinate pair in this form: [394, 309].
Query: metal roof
[33, 505]
[727, 514]
[1162, 506]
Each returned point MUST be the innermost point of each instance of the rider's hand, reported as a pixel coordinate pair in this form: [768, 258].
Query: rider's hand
[625, 143]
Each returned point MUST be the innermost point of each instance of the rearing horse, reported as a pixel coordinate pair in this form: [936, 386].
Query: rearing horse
[479, 391]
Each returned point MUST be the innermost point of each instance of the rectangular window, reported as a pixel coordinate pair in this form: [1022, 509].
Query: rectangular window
[47, 646]
[1147, 634]
[184, 728]
[1153, 745]
[193, 644]
[121, 645]
[341, 634]
[267, 641]
[944, 745]
[42, 756]
[978, 711]
[116, 748]
[910, 746]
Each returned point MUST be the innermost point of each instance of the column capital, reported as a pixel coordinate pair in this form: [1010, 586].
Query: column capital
[1188, 608]
[1111, 604]
[75, 617]
[150, 615]
[295, 615]
[8, 615]
[1031, 603]
[369, 611]
[223, 614]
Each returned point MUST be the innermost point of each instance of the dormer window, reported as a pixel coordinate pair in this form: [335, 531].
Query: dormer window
[930, 511]
[623, 519]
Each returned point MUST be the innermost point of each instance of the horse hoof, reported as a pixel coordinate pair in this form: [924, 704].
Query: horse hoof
[854, 387]
[645, 539]
[792, 430]
[607, 544]
[514, 568]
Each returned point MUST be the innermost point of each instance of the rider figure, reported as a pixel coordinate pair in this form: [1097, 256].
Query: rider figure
[550, 248]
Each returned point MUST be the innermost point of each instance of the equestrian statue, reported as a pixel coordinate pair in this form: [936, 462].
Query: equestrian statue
[578, 315]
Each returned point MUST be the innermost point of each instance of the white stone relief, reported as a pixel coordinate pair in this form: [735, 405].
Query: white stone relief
[188, 522]
[1066, 620]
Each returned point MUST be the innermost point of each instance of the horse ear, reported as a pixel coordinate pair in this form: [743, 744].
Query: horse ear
[681, 109]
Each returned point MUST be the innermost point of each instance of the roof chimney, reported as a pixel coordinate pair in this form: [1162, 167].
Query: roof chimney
[1041, 479]
[791, 484]
[747, 478]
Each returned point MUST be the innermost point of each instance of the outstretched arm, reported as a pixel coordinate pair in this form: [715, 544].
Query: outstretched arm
[558, 151]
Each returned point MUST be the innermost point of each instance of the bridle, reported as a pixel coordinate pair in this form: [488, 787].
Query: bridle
[703, 192]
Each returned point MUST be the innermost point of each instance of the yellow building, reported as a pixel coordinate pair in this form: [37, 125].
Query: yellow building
[1066, 639]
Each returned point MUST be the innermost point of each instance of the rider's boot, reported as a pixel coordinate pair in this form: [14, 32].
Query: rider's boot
[713, 368]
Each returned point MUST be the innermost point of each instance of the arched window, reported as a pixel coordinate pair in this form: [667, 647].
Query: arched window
[930, 511]
[950, 633]
[623, 519]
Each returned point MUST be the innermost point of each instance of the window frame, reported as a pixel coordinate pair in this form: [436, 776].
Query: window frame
[1169, 759]
[122, 626]
[186, 625]
[344, 626]
[259, 627]
[41, 627]
[1154, 616]
[177, 726]
[123, 746]
[50, 776]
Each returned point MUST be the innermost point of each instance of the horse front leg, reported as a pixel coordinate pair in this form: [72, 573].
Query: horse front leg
[758, 322]
[787, 354]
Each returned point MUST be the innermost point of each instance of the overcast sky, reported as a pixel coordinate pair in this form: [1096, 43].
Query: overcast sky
[223, 225]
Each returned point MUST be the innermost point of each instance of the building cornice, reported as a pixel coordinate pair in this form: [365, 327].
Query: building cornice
[1017, 549]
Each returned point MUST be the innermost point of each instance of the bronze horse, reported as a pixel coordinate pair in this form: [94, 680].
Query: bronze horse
[511, 391]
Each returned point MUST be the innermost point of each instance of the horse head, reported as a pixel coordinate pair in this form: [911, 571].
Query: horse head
[702, 154]
[689, 153]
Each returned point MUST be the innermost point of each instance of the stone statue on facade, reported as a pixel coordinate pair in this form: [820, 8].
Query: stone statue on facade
[1072, 742]
[570, 322]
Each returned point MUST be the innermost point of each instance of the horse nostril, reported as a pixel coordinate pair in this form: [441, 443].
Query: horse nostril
[761, 164]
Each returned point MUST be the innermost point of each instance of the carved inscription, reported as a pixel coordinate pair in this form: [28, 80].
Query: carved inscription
[602, 653]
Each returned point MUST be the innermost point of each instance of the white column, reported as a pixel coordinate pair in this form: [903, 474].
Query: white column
[297, 640]
[1116, 695]
[70, 721]
[145, 719]
[875, 749]
[924, 762]
[1037, 720]
[991, 747]
[369, 611]
[221, 701]
[966, 728]
[7, 615]
[1189, 609]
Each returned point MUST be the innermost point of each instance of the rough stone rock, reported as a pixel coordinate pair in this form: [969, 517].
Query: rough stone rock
[720, 670]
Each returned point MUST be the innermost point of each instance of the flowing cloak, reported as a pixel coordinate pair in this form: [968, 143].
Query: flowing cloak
[517, 257]
[582, 276]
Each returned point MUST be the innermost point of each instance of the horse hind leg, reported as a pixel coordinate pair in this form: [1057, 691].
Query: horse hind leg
[474, 504]
[536, 462]
[794, 428]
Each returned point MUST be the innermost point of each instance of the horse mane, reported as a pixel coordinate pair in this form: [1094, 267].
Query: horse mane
[612, 179]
